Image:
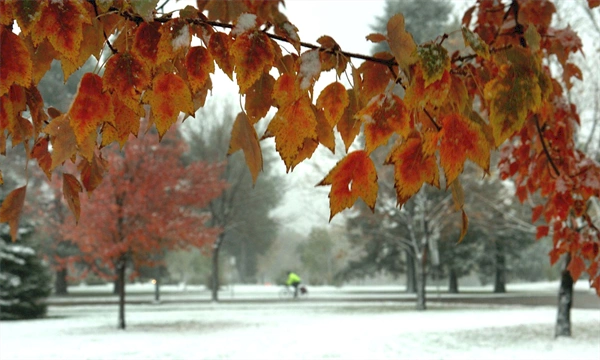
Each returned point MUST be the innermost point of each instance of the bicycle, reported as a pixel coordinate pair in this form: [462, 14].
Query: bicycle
[287, 292]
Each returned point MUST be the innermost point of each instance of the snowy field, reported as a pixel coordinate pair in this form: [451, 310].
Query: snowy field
[368, 329]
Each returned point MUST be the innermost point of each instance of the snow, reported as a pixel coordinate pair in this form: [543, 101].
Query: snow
[182, 39]
[370, 329]
[244, 23]
[310, 68]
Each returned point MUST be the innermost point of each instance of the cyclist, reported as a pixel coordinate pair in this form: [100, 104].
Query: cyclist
[293, 280]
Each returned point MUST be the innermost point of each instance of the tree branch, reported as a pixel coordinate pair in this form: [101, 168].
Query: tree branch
[539, 130]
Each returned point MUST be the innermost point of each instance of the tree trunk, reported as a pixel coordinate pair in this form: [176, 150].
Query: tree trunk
[116, 285]
[215, 268]
[565, 300]
[500, 264]
[453, 282]
[157, 289]
[60, 283]
[421, 280]
[411, 278]
[121, 282]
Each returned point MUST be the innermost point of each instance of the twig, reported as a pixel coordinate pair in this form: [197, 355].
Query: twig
[539, 130]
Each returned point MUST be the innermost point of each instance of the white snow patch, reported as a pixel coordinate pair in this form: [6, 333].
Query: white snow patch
[561, 185]
[310, 68]
[291, 31]
[244, 23]
[182, 39]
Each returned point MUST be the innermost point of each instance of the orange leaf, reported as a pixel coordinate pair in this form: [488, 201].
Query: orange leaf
[92, 172]
[15, 67]
[384, 116]
[41, 58]
[64, 143]
[291, 126]
[325, 131]
[169, 96]
[27, 13]
[349, 126]
[1, 178]
[333, 100]
[593, 3]
[40, 152]
[243, 136]
[375, 77]
[285, 90]
[36, 109]
[126, 122]
[11, 208]
[542, 231]
[412, 168]
[199, 64]
[90, 108]
[401, 42]
[127, 77]
[576, 267]
[219, 45]
[145, 43]
[259, 98]
[418, 95]
[352, 177]
[464, 227]
[536, 213]
[461, 138]
[376, 37]
[253, 55]
[61, 22]
[71, 190]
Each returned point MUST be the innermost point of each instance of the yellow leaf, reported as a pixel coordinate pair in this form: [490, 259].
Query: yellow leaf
[253, 55]
[11, 208]
[169, 96]
[243, 136]
[333, 100]
[401, 42]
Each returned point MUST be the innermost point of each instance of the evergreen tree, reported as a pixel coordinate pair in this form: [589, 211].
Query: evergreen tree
[24, 280]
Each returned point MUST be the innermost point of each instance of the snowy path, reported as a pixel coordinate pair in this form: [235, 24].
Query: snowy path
[300, 330]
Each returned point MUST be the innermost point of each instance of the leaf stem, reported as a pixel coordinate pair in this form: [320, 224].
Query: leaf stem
[539, 130]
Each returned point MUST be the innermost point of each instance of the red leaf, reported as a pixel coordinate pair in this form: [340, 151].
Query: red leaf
[92, 172]
[11, 208]
[169, 96]
[576, 267]
[384, 116]
[71, 190]
[333, 100]
[199, 64]
[15, 67]
[90, 108]
[542, 231]
[536, 213]
[40, 152]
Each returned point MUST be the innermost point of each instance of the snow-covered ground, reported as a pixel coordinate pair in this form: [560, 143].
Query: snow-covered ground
[368, 329]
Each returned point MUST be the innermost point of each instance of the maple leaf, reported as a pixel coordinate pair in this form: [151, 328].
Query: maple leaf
[331, 56]
[462, 139]
[36, 109]
[412, 168]
[41, 58]
[253, 55]
[418, 96]
[593, 3]
[90, 108]
[219, 45]
[145, 43]
[375, 77]
[71, 190]
[476, 43]
[243, 136]
[513, 93]
[291, 125]
[92, 172]
[15, 67]
[464, 226]
[27, 13]
[384, 116]
[333, 100]
[61, 22]
[325, 131]
[285, 90]
[44, 158]
[401, 42]
[259, 98]
[352, 177]
[169, 96]
[349, 125]
[199, 64]
[576, 267]
[310, 69]
[126, 76]
[144, 8]
[126, 122]
[434, 62]
[11, 208]
[64, 142]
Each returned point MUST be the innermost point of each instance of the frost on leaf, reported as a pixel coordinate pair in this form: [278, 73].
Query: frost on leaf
[144, 8]
[11, 209]
[16, 66]
[476, 43]
[244, 23]
[384, 116]
[462, 139]
[90, 108]
[412, 168]
[401, 42]
[333, 100]
[434, 62]
[253, 55]
[310, 69]
[169, 96]
[71, 190]
[352, 177]
[243, 136]
[291, 126]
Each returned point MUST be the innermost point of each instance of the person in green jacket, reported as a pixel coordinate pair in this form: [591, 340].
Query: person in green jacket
[293, 280]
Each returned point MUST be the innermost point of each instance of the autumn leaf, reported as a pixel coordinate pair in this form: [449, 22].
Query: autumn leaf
[71, 190]
[593, 3]
[291, 126]
[27, 13]
[401, 42]
[384, 116]
[434, 62]
[16, 65]
[349, 125]
[90, 108]
[243, 136]
[333, 100]
[462, 139]
[1, 178]
[325, 131]
[330, 55]
[253, 55]
[259, 98]
[92, 172]
[199, 64]
[169, 96]
[11, 208]
[127, 77]
[144, 8]
[285, 90]
[126, 122]
[218, 46]
[375, 77]
[418, 96]
[542, 231]
[61, 22]
[352, 177]
[576, 267]
[412, 168]
[145, 42]
[62, 137]
[35, 102]
[376, 37]
[476, 43]
[41, 154]
[464, 226]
